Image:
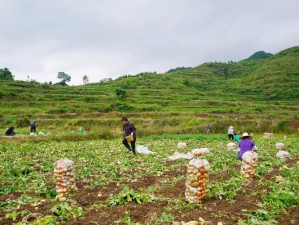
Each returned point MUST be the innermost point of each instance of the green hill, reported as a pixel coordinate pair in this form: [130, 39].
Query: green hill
[257, 95]
[259, 55]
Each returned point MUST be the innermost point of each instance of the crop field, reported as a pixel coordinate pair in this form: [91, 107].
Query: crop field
[115, 187]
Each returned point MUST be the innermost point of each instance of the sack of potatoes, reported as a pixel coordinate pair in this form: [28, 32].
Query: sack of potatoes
[197, 180]
[249, 164]
[64, 174]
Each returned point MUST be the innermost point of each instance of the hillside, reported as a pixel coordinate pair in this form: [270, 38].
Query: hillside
[259, 55]
[258, 91]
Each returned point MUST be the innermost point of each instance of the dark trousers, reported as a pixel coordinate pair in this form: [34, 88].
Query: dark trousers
[126, 143]
[230, 137]
[32, 129]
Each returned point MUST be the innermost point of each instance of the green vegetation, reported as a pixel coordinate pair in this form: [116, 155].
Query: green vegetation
[5, 74]
[255, 96]
[118, 187]
[259, 55]
[127, 195]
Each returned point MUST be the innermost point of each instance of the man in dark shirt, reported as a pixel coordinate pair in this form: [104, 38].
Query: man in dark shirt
[10, 131]
[32, 127]
[129, 129]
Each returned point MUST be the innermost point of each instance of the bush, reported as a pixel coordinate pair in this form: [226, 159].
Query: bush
[23, 122]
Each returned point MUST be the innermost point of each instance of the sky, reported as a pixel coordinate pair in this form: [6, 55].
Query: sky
[111, 38]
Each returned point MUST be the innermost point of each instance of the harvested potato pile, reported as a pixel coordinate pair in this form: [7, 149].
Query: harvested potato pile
[65, 178]
[197, 180]
[249, 164]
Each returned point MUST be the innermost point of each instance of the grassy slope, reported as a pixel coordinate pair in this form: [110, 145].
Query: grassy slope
[263, 89]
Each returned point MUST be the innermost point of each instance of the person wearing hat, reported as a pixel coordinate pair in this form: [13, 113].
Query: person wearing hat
[230, 133]
[130, 134]
[246, 145]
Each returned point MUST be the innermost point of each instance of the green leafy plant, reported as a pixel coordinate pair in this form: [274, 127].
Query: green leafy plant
[164, 219]
[127, 220]
[128, 195]
[12, 215]
[66, 211]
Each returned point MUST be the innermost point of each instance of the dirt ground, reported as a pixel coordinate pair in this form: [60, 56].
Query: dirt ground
[214, 210]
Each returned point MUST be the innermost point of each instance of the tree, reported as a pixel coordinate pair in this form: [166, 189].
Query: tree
[85, 79]
[5, 74]
[63, 77]
[225, 72]
[121, 94]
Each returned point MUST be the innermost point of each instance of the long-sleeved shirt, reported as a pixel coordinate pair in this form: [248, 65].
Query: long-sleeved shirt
[246, 145]
[231, 131]
[129, 128]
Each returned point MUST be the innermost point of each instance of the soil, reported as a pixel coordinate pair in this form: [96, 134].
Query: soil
[291, 218]
[214, 210]
[146, 213]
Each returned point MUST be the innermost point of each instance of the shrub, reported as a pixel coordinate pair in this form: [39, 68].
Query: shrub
[23, 122]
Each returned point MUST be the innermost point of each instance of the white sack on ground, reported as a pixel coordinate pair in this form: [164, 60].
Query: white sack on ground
[200, 151]
[178, 155]
[143, 150]
[268, 135]
[280, 146]
[283, 154]
[181, 145]
[231, 146]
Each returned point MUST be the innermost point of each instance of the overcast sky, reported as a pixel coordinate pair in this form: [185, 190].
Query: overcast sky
[110, 38]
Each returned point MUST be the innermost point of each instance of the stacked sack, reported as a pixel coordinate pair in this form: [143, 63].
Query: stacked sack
[197, 180]
[249, 164]
[65, 178]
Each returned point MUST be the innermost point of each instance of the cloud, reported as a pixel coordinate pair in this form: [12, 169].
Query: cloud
[111, 38]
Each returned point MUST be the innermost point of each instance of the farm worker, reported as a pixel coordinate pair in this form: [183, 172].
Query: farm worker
[236, 137]
[246, 145]
[230, 133]
[32, 127]
[208, 128]
[10, 131]
[130, 134]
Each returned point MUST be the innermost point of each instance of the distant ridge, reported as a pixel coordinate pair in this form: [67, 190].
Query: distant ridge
[259, 55]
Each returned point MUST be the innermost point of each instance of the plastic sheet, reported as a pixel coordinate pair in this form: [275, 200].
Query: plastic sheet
[178, 155]
[143, 150]
[200, 151]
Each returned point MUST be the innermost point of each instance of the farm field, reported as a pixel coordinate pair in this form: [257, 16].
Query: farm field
[115, 187]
